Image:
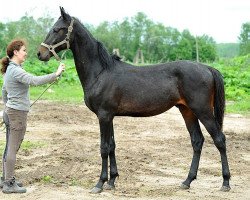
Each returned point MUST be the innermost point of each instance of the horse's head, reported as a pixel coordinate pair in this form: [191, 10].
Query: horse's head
[59, 37]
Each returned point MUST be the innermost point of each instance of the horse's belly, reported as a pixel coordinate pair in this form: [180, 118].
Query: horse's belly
[146, 106]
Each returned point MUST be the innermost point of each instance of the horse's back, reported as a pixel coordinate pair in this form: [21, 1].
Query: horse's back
[163, 75]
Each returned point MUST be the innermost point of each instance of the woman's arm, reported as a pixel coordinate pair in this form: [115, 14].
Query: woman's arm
[22, 76]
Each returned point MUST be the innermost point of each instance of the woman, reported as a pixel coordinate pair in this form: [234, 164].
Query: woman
[15, 94]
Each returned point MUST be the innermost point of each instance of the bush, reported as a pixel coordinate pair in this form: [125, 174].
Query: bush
[236, 73]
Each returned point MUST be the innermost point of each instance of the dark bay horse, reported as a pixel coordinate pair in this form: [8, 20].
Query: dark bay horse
[115, 88]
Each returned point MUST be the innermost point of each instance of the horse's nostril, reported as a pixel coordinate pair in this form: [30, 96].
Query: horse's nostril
[38, 54]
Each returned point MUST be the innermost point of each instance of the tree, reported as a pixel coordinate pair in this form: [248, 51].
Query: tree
[206, 48]
[2, 40]
[184, 49]
[126, 38]
[108, 33]
[228, 50]
[154, 49]
[140, 24]
[161, 43]
[186, 46]
[245, 39]
[29, 29]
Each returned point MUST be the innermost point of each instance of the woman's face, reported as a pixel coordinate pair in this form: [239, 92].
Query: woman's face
[21, 54]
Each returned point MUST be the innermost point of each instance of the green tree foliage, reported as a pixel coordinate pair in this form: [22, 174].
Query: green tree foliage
[157, 42]
[245, 39]
[33, 31]
[108, 34]
[227, 50]
[186, 48]
[207, 48]
[3, 42]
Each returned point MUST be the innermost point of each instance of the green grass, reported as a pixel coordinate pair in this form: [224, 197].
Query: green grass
[240, 106]
[47, 179]
[75, 182]
[28, 145]
[58, 92]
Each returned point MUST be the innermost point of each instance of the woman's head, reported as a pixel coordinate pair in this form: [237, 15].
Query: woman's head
[16, 51]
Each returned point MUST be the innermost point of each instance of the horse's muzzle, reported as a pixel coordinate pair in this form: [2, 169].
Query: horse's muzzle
[43, 54]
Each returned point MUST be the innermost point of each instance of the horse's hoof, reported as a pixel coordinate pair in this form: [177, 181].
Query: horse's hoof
[225, 188]
[184, 187]
[96, 190]
[108, 187]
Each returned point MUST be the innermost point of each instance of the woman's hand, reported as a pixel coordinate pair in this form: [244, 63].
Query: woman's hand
[60, 69]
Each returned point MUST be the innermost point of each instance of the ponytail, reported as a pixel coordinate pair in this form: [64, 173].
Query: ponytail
[14, 45]
[5, 63]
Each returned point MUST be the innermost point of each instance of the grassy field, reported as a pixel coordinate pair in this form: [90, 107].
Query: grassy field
[58, 92]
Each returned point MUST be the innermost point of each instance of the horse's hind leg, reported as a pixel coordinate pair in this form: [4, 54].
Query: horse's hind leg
[197, 140]
[208, 120]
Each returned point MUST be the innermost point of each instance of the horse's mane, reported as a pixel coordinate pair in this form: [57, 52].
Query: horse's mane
[107, 60]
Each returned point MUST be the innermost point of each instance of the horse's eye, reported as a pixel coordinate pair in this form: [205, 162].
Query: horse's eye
[56, 30]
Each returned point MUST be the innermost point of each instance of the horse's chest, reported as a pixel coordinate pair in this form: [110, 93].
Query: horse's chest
[89, 103]
[92, 101]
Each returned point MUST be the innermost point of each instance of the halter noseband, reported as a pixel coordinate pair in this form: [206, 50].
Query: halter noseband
[51, 48]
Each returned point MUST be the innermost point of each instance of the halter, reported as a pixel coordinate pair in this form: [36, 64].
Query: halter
[51, 48]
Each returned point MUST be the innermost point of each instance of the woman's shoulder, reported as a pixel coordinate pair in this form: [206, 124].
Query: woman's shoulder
[15, 69]
[15, 66]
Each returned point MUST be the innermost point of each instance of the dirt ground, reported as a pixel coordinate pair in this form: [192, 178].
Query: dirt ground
[153, 157]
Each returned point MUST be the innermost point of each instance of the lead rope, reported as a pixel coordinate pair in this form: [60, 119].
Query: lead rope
[43, 92]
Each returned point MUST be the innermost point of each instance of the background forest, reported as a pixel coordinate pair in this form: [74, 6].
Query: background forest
[157, 42]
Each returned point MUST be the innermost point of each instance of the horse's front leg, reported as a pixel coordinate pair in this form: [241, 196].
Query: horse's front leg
[106, 128]
[113, 167]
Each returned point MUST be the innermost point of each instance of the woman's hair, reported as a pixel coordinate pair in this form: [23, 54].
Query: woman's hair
[13, 45]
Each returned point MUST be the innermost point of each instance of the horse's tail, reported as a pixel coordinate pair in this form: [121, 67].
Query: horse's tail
[219, 97]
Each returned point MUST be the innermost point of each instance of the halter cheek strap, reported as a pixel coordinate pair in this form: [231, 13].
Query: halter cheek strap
[51, 48]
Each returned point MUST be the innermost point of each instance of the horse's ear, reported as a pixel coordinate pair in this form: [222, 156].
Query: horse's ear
[64, 15]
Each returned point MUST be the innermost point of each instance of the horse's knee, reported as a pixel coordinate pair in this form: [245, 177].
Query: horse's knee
[105, 150]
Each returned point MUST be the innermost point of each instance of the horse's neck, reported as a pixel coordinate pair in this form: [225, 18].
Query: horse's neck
[86, 61]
